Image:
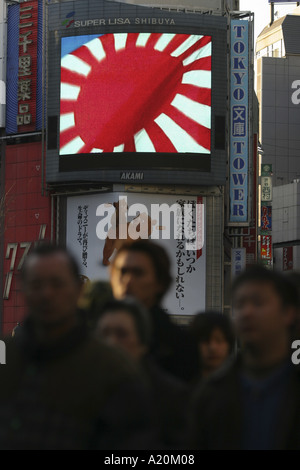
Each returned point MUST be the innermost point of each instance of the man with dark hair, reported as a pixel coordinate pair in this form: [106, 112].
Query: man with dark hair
[254, 403]
[61, 388]
[141, 269]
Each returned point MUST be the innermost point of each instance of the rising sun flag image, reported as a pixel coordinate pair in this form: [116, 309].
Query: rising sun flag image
[136, 92]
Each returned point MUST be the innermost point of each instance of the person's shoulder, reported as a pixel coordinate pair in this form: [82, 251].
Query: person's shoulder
[163, 378]
[107, 358]
[226, 376]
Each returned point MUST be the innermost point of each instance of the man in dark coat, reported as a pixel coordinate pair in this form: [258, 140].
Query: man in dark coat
[254, 403]
[60, 388]
[141, 269]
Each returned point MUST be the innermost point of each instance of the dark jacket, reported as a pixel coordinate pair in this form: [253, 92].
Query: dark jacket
[172, 348]
[76, 393]
[170, 397]
[217, 412]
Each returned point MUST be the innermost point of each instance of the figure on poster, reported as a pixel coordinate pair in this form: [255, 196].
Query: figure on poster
[140, 227]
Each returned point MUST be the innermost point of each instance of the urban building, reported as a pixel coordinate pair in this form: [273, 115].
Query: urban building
[278, 92]
[185, 135]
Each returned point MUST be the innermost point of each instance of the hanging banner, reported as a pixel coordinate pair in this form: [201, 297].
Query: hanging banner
[266, 189]
[24, 67]
[287, 258]
[238, 261]
[266, 218]
[239, 98]
[266, 247]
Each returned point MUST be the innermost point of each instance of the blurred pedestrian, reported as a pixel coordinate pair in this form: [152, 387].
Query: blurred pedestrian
[142, 269]
[294, 277]
[213, 332]
[60, 388]
[254, 403]
[125, 324]
[95, 294]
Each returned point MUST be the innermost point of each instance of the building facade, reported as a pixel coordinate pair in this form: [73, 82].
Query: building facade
[192, 142]
[278, 91]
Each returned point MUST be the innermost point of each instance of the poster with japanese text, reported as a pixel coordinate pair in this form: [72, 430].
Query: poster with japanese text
[174, 221]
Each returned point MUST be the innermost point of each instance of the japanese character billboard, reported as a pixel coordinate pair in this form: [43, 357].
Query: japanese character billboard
[97, 225]
[239, 146]
[266, 217]
[266, 189]
[24, 67]
[238, 261]
[266, 247]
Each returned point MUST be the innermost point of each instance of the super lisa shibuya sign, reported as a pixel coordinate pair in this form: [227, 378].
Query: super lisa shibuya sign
[239, 122]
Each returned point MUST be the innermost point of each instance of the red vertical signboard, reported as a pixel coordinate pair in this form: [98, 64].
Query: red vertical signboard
[266, 247]
[27, 74]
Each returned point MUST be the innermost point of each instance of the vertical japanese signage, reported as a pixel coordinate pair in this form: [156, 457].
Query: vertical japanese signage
[23, 95]
[266, 189]
[266, 247]
[266, 214]
[239, 99]
[287, 258]
[266, 218]
[27, 63]
[238, 261]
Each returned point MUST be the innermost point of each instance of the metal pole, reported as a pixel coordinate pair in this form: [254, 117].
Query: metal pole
[272, 13]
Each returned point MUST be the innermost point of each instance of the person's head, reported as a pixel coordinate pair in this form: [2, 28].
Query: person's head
[51, 285]
[213, 332]
[141, 269]
[264, 304]
[94, 296]
[125, 324]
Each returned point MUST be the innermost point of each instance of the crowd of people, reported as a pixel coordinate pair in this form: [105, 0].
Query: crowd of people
[102, 366]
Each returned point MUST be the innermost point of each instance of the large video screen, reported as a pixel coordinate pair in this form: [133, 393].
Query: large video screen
[135, 92]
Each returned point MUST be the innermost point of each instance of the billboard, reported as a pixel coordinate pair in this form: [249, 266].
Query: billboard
[24, 67]
[266, 189]
[266, 217]
[135, 88]
[238, 261]
[91, 217]
[134, 111]
[239, 133]
[266, 247]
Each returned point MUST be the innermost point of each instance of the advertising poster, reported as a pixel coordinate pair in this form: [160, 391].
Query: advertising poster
[91, 217]
[266, 247]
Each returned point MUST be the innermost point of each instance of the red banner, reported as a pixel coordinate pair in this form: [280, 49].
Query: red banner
[27, 76]
[266, 247]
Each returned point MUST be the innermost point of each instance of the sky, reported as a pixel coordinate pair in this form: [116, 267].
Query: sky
[261, 9]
